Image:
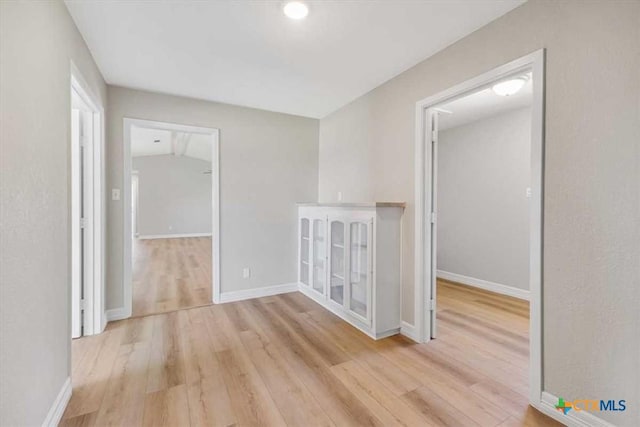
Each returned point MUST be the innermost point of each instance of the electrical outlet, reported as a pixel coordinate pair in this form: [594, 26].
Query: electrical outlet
[246, 273]
[528, 193]
[339, 196]
[115, 194]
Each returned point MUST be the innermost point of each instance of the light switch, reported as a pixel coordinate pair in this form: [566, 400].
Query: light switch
[528, 192]
[246, 273]
[115, 194]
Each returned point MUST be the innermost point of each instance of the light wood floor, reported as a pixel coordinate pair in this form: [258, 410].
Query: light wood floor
[171, 274]
[284, 360]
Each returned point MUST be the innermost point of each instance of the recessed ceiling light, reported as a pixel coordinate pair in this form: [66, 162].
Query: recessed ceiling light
[509, 87]
[296, 10]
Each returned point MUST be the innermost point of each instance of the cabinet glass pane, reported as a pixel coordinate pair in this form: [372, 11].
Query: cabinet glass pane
[319, 255]
[304, 251]
[359, 268]
[337, 281]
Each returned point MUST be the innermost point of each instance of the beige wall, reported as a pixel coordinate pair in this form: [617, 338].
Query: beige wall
[174, 195]
[483, 209]
[347, 153]
[592, 180]
[37, 42]
[268, 162]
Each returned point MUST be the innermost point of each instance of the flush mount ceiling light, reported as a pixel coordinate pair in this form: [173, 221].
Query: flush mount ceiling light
[296, 10]
[509, 87]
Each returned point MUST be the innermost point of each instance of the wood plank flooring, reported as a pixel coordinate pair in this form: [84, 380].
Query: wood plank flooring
[284, 360]
[171, 274]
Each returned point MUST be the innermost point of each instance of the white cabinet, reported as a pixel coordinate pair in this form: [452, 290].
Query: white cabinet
[350, 262]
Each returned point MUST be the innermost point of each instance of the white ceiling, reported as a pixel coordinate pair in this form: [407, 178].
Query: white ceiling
[192, 145]
[481, 104]
[248, 53]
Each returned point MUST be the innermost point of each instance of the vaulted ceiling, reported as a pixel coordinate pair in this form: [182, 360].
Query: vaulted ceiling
[249, 53]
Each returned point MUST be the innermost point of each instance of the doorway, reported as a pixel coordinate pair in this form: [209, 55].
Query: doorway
[87, 231]
[428, 115]
[171, 195]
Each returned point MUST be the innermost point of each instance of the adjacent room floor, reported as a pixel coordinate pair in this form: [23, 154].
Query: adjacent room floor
[284, 360]
[171, 274]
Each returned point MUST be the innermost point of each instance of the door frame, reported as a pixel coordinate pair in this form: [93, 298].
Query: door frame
[128, 124]
[535, 62]
[94, 310]
[135, 203]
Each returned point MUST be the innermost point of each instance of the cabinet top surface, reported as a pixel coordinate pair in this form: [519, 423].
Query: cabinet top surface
[355, 204]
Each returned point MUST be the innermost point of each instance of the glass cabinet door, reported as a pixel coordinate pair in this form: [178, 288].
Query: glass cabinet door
[337, 260]
[304, 251]
[359, 268]
[319, 255]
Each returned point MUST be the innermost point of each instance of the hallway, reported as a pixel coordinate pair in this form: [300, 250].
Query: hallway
[284, 360]
[171, 274]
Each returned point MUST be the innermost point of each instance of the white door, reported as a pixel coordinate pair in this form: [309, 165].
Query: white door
[432, 158]
[76, 232]
[134, 204]
[81, 228]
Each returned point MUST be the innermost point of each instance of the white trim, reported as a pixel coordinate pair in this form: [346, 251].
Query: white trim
[383, 334]
[126, 197]
[408, 330]
[484, 284]
[534, 62]
[266, 291]
[94, 295]
[117, 314]
[572, 418]
[172, 236]
[54, 416]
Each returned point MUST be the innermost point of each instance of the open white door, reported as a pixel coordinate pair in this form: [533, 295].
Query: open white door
[82, 226]
[76, 233]
[134, 203]
[432, 157]
[87, 208]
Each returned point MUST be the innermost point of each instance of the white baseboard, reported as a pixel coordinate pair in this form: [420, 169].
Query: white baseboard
[484, 284]
[409, 331]
[105, 320]
[172, 236]
[266, 291]
[54, 416]
[117, 314]
[573, 418]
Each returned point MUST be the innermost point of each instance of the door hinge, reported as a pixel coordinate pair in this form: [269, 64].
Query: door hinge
[434, 136]
[433, 217]
[82, 304]
[83, 223]
[432, 305]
